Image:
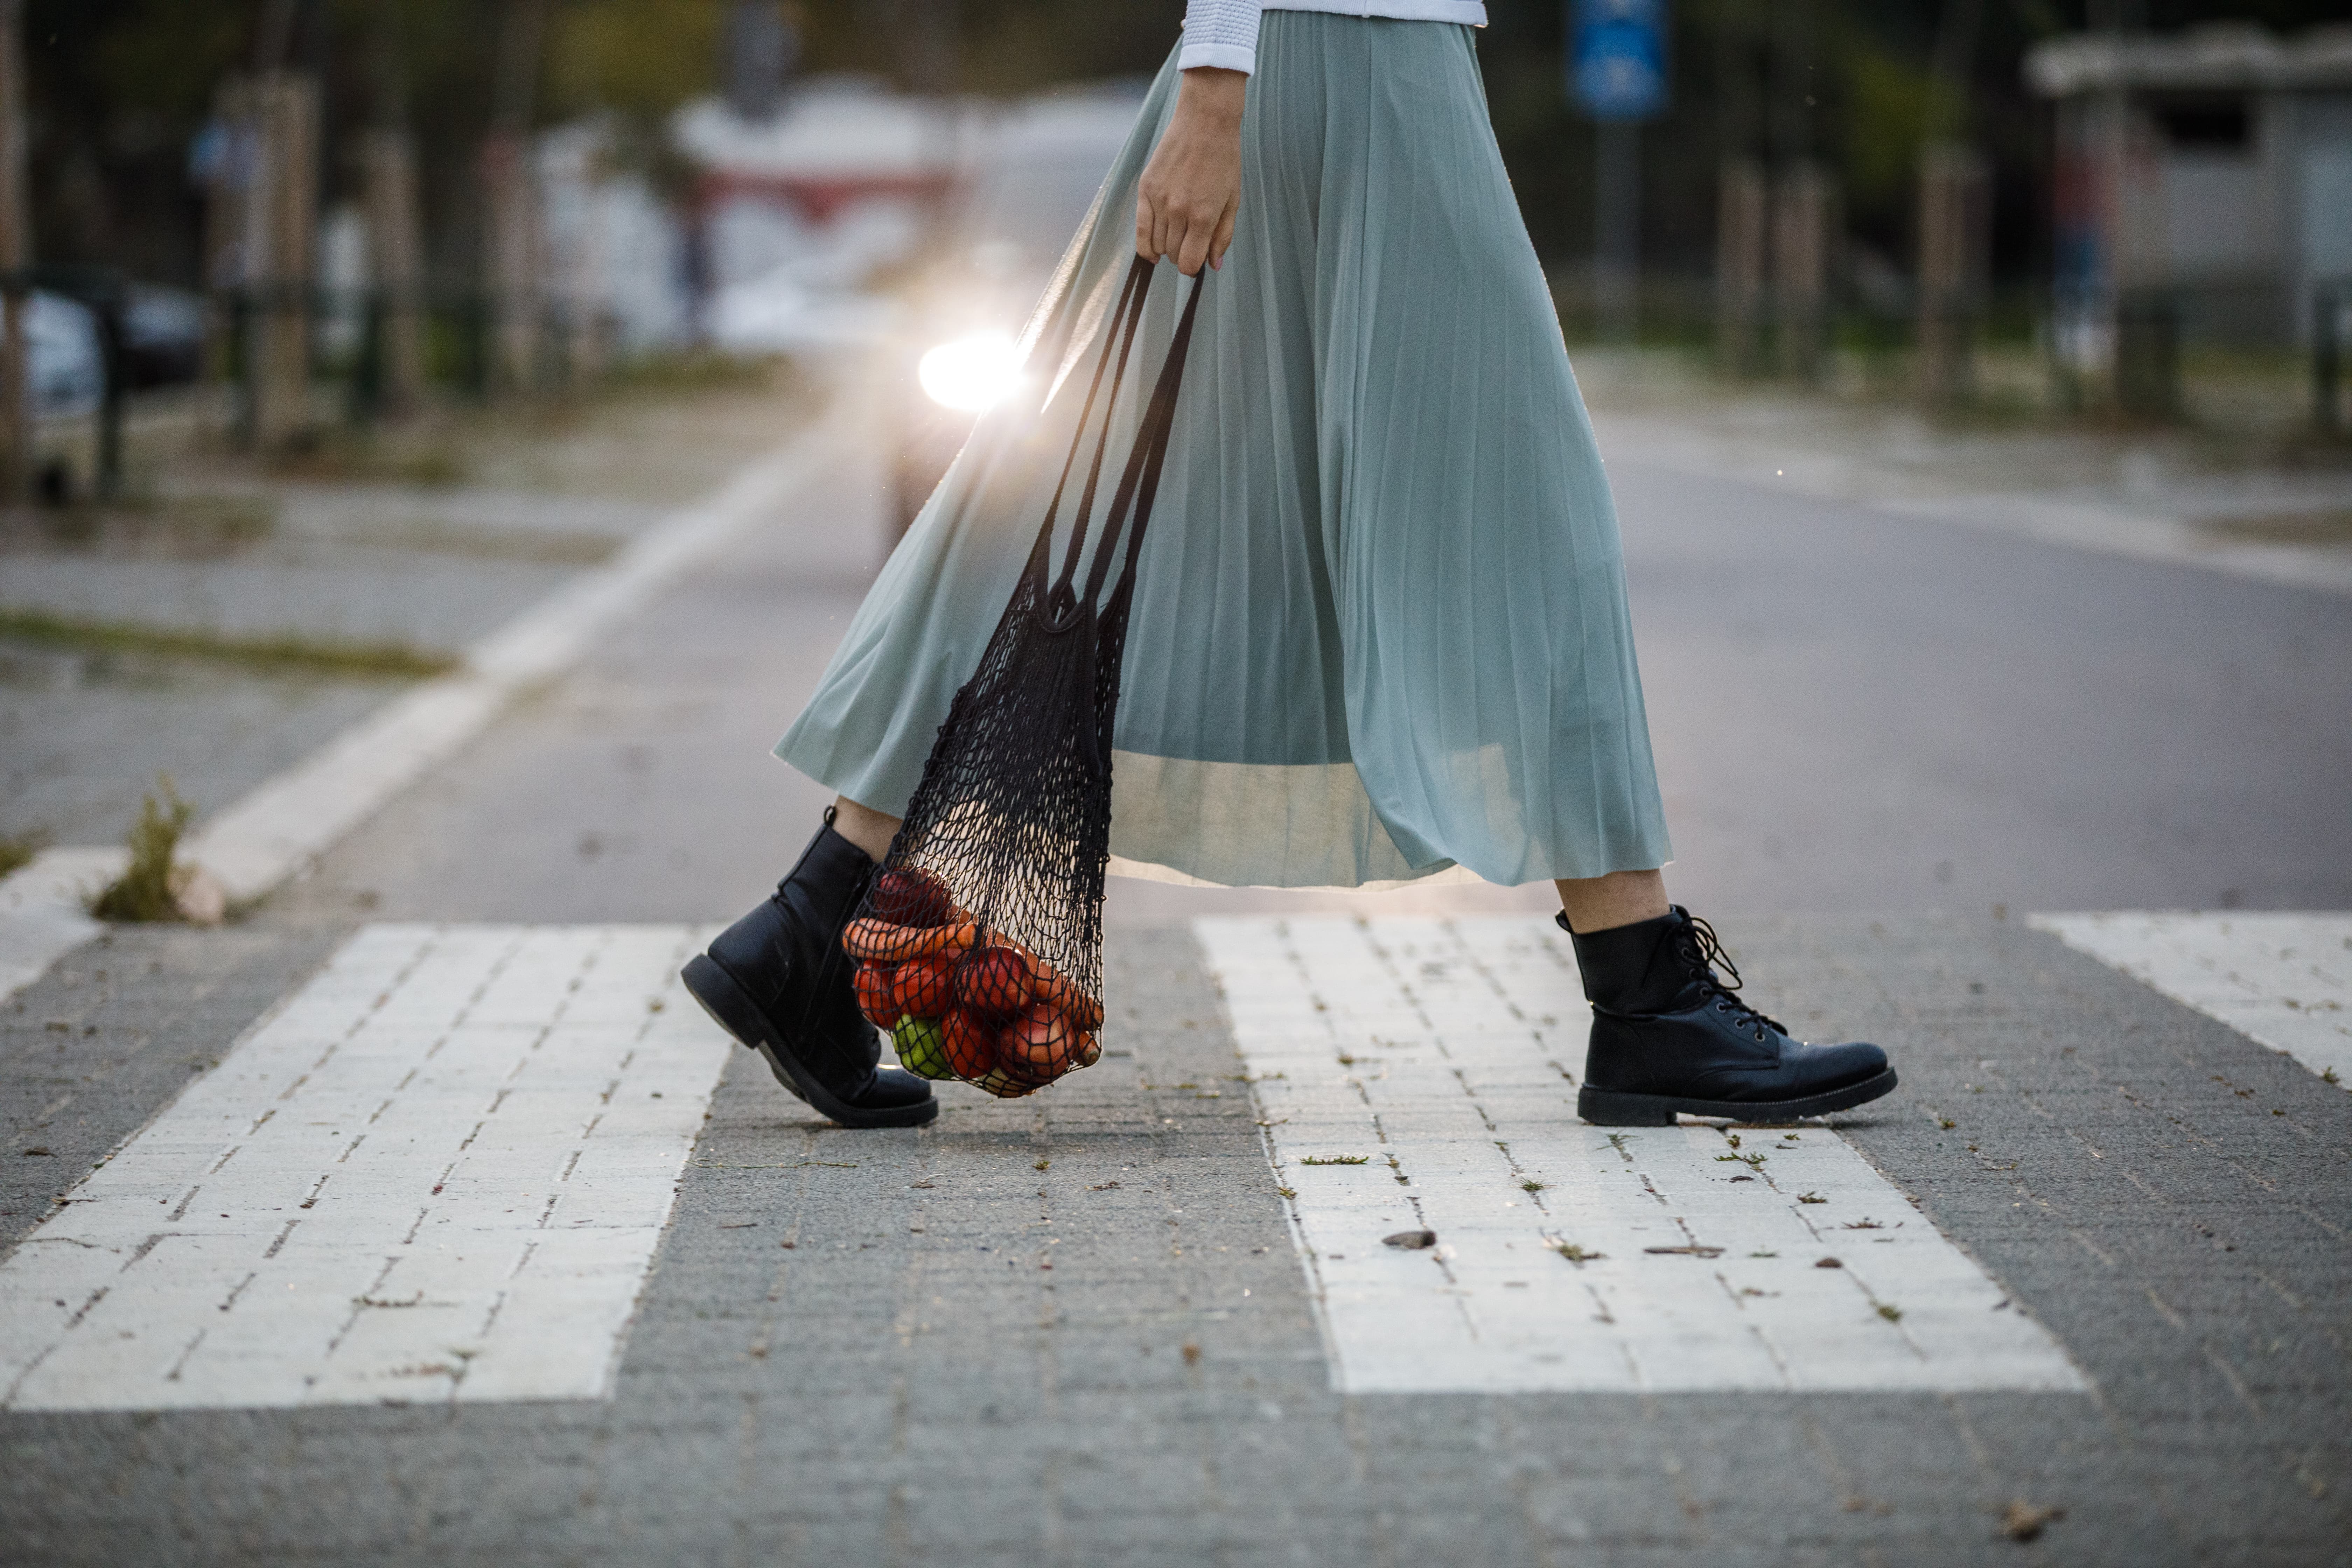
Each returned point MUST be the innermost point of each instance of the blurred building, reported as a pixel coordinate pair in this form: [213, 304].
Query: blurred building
[2204, 186]
[795, 210]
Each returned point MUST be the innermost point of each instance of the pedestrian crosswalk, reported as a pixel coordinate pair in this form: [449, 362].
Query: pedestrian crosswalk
[439, 1172]
[2283, 980]
[1419, 1076]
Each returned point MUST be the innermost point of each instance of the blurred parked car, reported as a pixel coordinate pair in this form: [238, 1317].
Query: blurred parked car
[66, 374]
[163, 337]
[1032, 177]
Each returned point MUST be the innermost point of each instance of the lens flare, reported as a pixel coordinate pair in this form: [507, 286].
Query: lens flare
[970, 374]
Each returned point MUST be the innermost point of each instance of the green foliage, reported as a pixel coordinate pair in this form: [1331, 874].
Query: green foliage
[642, 57]
[145, 890]
[18, 849]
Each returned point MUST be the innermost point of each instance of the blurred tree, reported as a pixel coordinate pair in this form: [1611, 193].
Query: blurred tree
[120, 89]
[642, 57]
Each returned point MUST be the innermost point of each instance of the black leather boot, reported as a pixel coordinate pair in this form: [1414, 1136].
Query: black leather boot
[1668, 1036]
[778, 980]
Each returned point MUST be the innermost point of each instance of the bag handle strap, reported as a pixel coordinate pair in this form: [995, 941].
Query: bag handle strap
[1123, 321]
[1140, 482]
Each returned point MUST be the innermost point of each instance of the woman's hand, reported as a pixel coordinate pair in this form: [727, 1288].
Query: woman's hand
[1185, 202]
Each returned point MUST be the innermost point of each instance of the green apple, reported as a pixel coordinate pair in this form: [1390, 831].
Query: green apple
[921, 1048]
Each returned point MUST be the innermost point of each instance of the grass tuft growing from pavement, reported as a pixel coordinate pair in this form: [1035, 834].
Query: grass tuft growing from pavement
[18, 849]
[145, 890]
[282, 652]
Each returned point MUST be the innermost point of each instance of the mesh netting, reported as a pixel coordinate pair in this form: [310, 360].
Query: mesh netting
[979, 946]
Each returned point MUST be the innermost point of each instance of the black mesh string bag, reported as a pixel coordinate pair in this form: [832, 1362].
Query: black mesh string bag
[979, 946]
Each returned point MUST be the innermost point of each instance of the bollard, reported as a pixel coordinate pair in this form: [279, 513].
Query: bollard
[2147, 354]
[2327, 301]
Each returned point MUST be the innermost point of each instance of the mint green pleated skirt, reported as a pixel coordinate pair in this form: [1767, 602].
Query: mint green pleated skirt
[1381, 629]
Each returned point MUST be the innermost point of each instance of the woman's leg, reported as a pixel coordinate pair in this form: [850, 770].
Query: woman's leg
[1601, 903]
[872, 832]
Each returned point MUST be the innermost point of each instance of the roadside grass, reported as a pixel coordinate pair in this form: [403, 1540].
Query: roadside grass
[18, 849]
[197, 525]
[145, 890]
[282, 652]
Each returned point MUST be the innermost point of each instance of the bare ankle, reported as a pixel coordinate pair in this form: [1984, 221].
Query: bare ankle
[864, 826]
[1619, 898]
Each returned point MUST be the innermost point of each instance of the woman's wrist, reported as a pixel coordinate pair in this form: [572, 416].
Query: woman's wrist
[1213, 96]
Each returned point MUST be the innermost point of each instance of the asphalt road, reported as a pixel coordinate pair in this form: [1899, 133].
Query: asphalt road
[1074, 1329]
[1852, 713]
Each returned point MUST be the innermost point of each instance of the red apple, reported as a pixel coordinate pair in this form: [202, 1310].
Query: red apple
[994, 983]
[876, 995]
[1039, 1042]
[971, 1046]
[1087, 1052]
[911, 896]
[925, 987]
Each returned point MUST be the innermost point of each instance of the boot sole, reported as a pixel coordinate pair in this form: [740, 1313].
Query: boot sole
[733, 1010]
[1613, 1108]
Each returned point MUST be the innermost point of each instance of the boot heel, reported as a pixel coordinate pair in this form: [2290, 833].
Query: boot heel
[1608, 1108]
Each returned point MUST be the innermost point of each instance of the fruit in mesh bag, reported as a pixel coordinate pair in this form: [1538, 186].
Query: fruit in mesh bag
[883, 942]
[1086, 1052]
[925, 987]
[1007, 1084]
[994, 983]
[1053, 986]
[1039, 1043]
[922, 1047]
[969, 1044]
[875, 996]
[911, 896]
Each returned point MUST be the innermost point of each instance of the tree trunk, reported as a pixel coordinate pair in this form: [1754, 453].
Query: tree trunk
[281, 234]
[514, 269]
[16, 255]
[397, 260]
[1740, 238]
[1804, 246]
[510, 188]
[1953, 267]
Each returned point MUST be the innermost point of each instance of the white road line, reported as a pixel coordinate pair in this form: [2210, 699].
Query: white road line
[1439, 1054]
[2283, 980]
[41, 910]
[439, 1172]
[283, 825]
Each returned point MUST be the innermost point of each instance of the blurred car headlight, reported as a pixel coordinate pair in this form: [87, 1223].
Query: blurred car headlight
[970, 374]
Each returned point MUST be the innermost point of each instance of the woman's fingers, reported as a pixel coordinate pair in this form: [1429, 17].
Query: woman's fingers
[1190, 190]
[1146, 242]
[1192, 250]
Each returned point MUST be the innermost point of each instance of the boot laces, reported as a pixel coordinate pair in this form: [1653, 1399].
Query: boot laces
[1703, 951]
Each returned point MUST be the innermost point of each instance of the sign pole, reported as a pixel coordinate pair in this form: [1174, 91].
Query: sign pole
[1617, 230]
[1617, 72]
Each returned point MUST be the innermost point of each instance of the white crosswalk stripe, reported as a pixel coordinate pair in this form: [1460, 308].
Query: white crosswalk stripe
[439, 1171]
[2283, 980]
[1417, 1074]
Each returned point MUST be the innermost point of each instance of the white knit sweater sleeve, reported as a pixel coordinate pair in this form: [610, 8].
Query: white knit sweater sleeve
[1221, 33]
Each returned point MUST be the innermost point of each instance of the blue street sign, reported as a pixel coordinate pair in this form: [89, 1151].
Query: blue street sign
[1617, 58]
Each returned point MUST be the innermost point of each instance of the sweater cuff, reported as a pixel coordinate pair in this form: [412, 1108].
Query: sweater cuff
[1223, 57]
